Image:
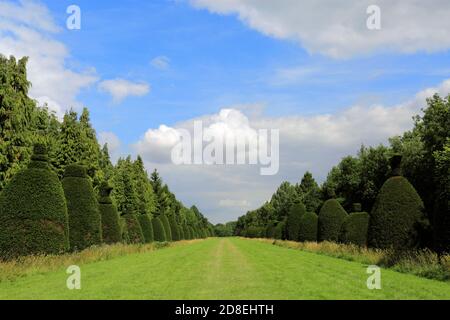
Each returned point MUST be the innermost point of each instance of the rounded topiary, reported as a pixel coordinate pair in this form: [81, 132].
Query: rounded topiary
[331, 218]
[158, 230]
[166, 225]
[308, 227]
[82, 207]
[33, 212]
[279, 230]
[192, 233]
[147, 227]
[187, 232]
[270, 230]
[181, 231]
[296, 211]
[134, 229]
[124, 230]
[111, 231]
[354, 229]
[396, 215]
[174, 229]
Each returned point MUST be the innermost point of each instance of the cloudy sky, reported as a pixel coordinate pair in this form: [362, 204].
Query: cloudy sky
[311, 69]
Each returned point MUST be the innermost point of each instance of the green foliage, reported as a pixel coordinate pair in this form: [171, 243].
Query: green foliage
[147, 227]
[354, 229]
[224, 230]
[33, 212]
[187, 232]
[174, 229]
[296, 211]
[158, 230]
[397, 216]
[331, 218]
[111, 231]
[442, 205]
[124, 230]
[134, 230]
[310, 193]
[280, 231]
[254, 232]
[270, 230]
[192, 234]
[82, 207]
[308, 227]
[166, 225]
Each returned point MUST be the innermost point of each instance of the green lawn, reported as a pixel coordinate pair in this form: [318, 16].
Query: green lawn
[228, 268]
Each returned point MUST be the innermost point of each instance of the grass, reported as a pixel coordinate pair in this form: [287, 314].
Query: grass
[422, 263]
[226, 268]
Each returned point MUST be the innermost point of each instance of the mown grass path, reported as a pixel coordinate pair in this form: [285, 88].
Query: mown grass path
[228, 268]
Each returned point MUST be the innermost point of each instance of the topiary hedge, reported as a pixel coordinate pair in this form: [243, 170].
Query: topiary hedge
[111, 231]
[33, 212]
[296, 211]
[192, 233]
[174, 229]
[181, 231]
[134, 229]
[280, 230]
[124, 230]
[308, 227]
[147, 227]
[331, 218]
[166, 225]
[82, 207]
[396, 216]
[188, 232]
[158, 230]
[354, 229]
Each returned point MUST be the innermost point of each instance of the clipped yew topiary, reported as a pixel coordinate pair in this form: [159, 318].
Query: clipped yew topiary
[166, 225]
[296, 211]
[331, 218]
[182, 235]
[111, 231]
[134, 229]
[158, 230]
[33, 212]
[174, 229]
[354, 229]
[398, 213]
[82, 206]
[308, 227]
[147, 227]
[124, 230]
[279, 231]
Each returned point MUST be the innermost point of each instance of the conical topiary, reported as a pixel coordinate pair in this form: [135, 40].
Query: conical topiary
[174, 229]
[147, 227]
[134, 229]
[166, 226]
[111, 232]
[33, 212]
[124, 230]
[398, 213]
[187, 232]
[182, 235]
[308, 227]
[82, 207]
[158, 230]
[296, 211]
[331, 218]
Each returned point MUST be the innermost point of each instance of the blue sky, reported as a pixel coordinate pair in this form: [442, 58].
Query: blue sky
[275, 58]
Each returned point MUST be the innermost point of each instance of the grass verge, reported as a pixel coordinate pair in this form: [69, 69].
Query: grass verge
[422, 263]
[31, 265]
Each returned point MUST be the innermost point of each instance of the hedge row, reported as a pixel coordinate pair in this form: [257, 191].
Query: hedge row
[41, 215]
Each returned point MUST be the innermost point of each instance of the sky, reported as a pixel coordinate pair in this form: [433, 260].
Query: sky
[311, 69]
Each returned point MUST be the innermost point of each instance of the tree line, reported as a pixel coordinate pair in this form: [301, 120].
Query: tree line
[408, 180]
[33, 139]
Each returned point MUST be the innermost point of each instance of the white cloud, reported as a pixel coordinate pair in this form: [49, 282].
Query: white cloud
[314, 143]
[229, 203]
[338, 28]
[28, 29]
[160, 62]
[120, 89]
